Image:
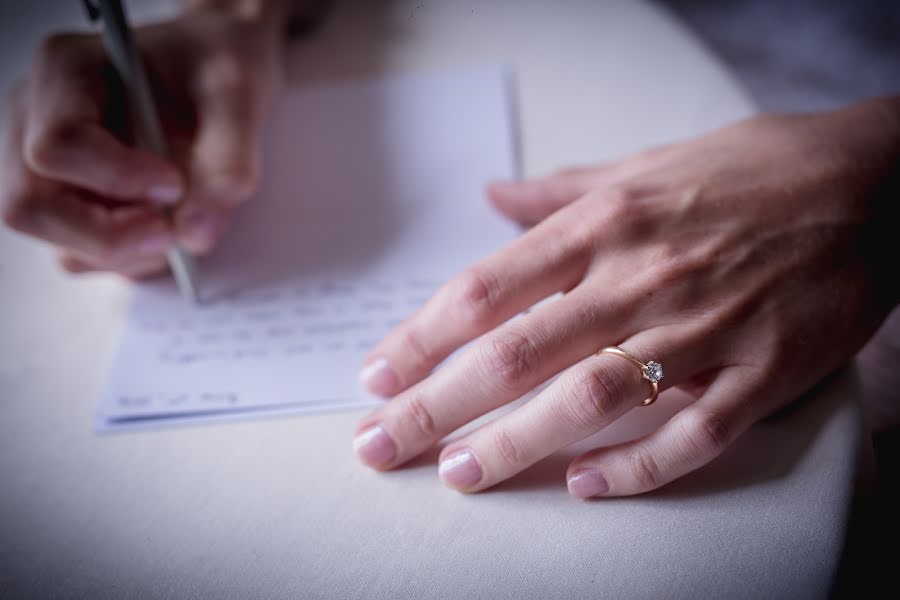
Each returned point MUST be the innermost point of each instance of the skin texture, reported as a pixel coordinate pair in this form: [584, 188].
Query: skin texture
[71, 176]
[750, 262]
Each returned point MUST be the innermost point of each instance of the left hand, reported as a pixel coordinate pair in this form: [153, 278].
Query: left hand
[750, 263]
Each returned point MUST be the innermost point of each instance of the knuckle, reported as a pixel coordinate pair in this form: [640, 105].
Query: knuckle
[550, 187]
[12, 201]
[422, 356]
[598, 393]
[670, 265]
[603, 214]
[676, 262]
[621, 210]
[14, 215]
[44, 150]
[16, 202]
[421, 416]
[68, 264]
[645, 470]
[622, 203]
[475, 292]
[507, 449]
[708, 433]
[669, 255]
[511, 357]
[40, 152]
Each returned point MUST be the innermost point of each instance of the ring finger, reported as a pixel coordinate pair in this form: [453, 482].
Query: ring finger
[498, 368]
[587, 398]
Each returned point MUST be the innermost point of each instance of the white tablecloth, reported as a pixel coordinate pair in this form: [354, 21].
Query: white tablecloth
[280, 508]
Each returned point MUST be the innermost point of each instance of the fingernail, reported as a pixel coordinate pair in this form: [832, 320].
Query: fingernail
[164, 193]
[586, 483]
[374, 446]
[379, 378]
[155, 243]
[461, 470]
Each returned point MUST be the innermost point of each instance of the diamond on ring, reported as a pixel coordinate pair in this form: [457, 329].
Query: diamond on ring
[652, 371]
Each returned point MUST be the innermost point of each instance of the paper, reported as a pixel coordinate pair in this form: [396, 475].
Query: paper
[372, 197]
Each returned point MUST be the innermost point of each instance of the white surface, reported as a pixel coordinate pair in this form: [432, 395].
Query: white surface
[280, 508]
[373, 197]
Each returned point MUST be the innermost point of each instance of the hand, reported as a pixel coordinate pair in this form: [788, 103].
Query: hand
[71, 176]
[750, 263]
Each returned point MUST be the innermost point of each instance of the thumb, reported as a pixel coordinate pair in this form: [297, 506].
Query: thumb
[531, 201]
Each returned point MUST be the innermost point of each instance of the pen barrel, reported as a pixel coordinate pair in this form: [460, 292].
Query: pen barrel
[120, 45]
[123, 52]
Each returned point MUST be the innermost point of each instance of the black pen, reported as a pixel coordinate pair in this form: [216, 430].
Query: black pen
[119, 43]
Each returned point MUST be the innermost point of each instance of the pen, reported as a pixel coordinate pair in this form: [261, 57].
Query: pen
[119, 44]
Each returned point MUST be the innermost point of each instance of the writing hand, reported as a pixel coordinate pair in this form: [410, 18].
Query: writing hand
[71, 176]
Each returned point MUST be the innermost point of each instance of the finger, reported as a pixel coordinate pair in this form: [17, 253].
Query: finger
[200, 225]
[584, 400]
[72, 219]
[498, 368]
[85, 155]
[90, 230]
[225, 161]
[73, 264]
[533, 267]
[137, 270]
[531, 201]
[688, 441]
[64, 138]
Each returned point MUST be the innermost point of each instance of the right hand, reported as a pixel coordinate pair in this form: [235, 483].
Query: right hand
[71, 176]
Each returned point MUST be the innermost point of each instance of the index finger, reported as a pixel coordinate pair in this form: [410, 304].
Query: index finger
[64, 137]
[542, 262]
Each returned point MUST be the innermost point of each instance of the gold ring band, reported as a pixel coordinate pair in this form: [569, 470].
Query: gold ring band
[651, 370]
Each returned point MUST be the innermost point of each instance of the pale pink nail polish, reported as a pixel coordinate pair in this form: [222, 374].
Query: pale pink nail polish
[379, 378]
[585, 483]
[461, 470]
[374, 446]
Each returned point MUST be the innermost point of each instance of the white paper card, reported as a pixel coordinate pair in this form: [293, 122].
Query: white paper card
[372, 196]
